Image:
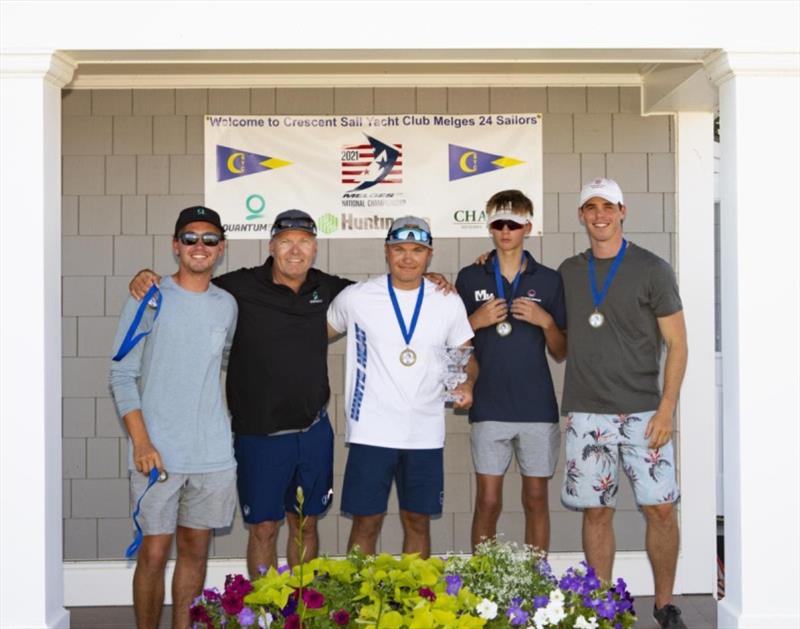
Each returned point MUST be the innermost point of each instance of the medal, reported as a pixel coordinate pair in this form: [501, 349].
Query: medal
[408, 356]
[503, 328]
[596, 319]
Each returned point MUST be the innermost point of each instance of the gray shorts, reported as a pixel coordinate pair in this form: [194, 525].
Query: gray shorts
[196, 501]
[535, 445]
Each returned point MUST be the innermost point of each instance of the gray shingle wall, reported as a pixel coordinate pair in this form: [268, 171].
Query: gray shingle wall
[132, 158]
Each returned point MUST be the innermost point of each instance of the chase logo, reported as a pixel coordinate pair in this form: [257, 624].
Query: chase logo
[328, 223]
[370, 164]
[233, 163]
[468, 162]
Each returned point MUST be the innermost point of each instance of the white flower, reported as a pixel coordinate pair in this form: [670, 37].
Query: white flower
[582, 623]
[555, 613]
[265, 620]
[486, 609]
[557, 596]
[540, 618]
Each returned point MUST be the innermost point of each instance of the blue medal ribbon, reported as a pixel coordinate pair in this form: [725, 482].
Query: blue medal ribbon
[131, 338]
[498, 280]
[598, 297]
[407, 332]
[137, 539]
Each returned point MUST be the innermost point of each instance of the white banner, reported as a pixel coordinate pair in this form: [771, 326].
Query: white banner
[356, 174]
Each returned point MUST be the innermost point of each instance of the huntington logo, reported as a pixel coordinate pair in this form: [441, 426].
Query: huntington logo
[233, 163]
[468, 162]
[327, 223]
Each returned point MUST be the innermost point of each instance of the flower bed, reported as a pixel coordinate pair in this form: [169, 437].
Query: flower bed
[501, 585]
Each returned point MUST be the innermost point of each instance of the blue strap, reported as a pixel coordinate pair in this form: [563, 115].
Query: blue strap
[131, 338]
[498, 280]
[137, 539]
[407, 333]
[598, 297]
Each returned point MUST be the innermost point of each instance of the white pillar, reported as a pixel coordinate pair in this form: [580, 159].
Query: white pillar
[31, 582]
[695, 228]
[760, 223]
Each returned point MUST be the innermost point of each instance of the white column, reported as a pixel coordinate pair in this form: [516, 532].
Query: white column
[31, 582]
[760, 222]
[695, 248]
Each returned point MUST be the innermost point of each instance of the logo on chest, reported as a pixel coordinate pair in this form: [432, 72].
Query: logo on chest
[315, 298]
[483, 295]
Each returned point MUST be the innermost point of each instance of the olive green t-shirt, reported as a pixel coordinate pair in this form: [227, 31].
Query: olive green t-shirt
[614, 368]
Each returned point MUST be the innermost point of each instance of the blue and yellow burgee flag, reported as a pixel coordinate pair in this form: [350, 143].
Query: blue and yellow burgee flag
[232, 163]
[467, 162]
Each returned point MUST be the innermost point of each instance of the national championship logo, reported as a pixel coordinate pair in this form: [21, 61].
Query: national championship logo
[366, 165]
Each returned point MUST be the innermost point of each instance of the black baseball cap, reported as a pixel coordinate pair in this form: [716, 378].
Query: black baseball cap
[198, 213]
[293, 219]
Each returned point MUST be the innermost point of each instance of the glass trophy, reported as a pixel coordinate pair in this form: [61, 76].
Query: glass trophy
[455, 361]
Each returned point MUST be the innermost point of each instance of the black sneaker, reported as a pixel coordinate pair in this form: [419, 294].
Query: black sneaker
[668, 617]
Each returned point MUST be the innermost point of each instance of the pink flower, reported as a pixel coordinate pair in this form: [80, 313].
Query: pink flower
[313, 599]
[427, 593]
[292, 622]
[341, 617]
[232, 603]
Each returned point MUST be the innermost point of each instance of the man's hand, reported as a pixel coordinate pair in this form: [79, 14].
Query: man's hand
[659, 429]
[527, 310]
[142, 282]
[464, 391]
[146, 457]
[490, 313]
[441, 282]
[481, 259]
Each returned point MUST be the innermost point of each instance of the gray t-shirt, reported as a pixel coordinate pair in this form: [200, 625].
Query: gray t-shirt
[614, 368]
[173, 376]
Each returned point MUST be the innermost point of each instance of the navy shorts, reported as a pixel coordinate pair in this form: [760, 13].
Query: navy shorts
[270, 468]
[419, 475]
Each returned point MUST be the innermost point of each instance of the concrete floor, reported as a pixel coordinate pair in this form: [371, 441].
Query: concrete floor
[698, 612]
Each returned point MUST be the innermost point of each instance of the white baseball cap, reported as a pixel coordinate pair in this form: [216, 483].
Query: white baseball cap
[602, 187]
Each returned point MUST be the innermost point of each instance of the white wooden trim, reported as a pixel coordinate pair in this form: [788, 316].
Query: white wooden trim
[101, 583]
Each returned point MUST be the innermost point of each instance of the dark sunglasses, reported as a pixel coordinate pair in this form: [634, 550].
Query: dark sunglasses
[209, 239]
[500, 223]
[411, 234]
[306, 224]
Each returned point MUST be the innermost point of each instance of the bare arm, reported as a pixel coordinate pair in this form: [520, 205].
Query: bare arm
[141, 283]
[334, 334]
[673, 329]
[441, 283]
[145, 455]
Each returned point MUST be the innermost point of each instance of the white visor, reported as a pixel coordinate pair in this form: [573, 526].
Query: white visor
[506, 215]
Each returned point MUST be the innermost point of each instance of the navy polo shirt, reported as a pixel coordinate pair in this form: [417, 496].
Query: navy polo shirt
[514, 384]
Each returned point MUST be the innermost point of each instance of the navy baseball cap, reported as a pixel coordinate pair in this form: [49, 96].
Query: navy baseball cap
[293, 219]
[198, 213]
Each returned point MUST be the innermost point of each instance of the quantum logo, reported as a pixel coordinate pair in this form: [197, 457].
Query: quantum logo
[468, 162]
[367, 165]
[233, 163]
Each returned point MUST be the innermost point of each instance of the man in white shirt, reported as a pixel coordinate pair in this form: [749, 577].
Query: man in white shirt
[396, 326]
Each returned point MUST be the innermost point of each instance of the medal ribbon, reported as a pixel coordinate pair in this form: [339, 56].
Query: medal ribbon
[131, 338]
[498, 280]
[137, 540]
[598, 297]
[407, 333]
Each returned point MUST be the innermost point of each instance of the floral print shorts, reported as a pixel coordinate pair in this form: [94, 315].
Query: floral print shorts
[594, 445]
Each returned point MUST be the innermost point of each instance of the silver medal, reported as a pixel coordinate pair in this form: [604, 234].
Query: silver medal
[503, 328]
[408, 357]
[596, 319]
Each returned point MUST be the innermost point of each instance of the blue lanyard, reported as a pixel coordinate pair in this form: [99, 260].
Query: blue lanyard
[498, 279]
[131, 338]
[407, 333]
[137, 540]
[599, 297]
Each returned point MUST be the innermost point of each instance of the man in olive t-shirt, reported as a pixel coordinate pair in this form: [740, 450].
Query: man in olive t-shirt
[622, 304]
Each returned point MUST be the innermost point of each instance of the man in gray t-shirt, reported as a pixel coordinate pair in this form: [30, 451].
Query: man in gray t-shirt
[622, 304]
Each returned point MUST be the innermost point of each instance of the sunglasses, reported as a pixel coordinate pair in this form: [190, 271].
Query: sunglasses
[500, 223]
[411, 234]
[209, 239]
[305, 224]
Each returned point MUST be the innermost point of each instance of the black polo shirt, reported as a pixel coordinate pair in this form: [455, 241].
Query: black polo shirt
[278, 367]
[514, 383]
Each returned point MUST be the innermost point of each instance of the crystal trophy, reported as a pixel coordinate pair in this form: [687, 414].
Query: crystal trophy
[455, 361]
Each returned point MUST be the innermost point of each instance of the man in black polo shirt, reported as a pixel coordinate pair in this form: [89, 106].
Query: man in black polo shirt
[277, 388]
[516, 308]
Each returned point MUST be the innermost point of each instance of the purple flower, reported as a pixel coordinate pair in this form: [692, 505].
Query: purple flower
[246, 617]
[590, 582]
[283, 568]
[237, 585]
[291, 607]
[543, 568]
[212, 595]
[515, 612]
[198, 613]
[292, 622]
[427, 593]
[232, 603]
[570, 581]
[540, 601]
[262, 569]
[313, 599]
[453, 584]
[621, 588]
[607, 607]
[341, 617]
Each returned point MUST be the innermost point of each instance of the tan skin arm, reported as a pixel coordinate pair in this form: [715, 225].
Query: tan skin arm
[673, 329]
[145, 455]
[141, 283]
